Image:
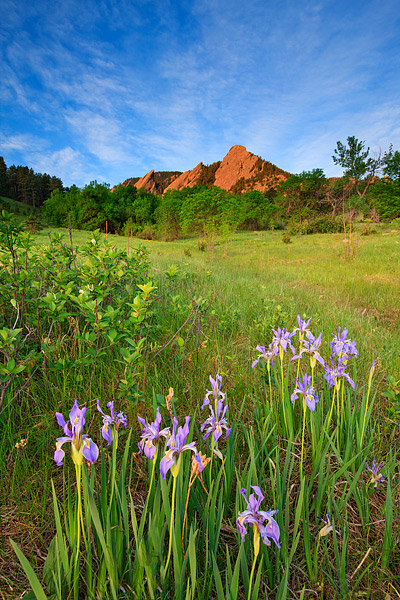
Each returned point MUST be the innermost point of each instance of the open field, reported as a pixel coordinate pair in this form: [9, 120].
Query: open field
[251, 274]
[210, 311]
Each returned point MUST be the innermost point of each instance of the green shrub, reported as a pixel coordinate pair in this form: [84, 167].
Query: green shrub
[319, 224]
[149, 232]
[286, 238]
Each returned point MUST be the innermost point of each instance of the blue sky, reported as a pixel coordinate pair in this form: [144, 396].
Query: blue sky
[107, 90]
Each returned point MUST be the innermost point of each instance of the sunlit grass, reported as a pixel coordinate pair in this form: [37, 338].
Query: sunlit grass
[212, 310]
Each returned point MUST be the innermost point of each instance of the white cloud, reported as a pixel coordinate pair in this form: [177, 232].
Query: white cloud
[22, 143]
[68, 164]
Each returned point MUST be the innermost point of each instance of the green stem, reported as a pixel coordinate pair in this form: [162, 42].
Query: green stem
[78, 472]
[298, 362]
[315, 573]
[282, 396]
[114, 462]
[302, 439]
[269, 382]
[256, 543]
[331, 410]
[142, 522]
[314, 449]
[365, 416]
[211, 462]
[171, 528]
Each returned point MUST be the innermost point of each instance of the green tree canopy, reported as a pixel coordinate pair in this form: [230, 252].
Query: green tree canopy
[357, 163]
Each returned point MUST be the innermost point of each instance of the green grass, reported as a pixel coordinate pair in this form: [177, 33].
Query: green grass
[251, 281]
[20, 210]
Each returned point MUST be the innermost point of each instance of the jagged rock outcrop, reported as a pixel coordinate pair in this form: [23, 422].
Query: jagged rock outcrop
[237, 164]
[187, 179]
[147, 182]
[154, 181]
[240, 171]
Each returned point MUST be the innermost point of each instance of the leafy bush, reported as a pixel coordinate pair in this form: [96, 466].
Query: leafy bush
[366, 230]
[286, 238]
[149, 232]
[320, 224]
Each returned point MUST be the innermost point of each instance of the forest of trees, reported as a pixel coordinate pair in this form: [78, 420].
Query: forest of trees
[26, 186]
[304, 203]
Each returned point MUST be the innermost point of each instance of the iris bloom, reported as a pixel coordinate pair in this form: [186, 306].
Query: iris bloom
[334, 374]
[342, 346]
[255, 517]
[176, 446]
[305, 389]
[114, 420]
[151, 435]
[303, 325]
[215, 392]
[311, 346]
[82, 447]
[216, 422]
[281, 340]
[376, 477]
[267, 355]
[328, 527]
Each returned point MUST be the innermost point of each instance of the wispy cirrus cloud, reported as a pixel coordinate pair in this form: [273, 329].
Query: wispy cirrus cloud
[22, 143]
[124, 87]
[69, 165]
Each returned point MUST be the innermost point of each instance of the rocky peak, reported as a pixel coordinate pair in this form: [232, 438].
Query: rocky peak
[237, 164]
[240, 171]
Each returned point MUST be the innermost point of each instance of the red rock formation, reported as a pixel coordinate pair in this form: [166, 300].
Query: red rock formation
[237, 164]
[147, 182]
[187, 179]
[240, 171]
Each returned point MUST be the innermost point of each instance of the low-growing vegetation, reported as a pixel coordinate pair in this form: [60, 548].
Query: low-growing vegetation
[289, 485]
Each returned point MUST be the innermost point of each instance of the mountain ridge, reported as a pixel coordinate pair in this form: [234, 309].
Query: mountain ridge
[239, 171]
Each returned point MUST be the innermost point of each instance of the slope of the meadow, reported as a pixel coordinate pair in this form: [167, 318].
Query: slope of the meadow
[210, 311]
[253, 280]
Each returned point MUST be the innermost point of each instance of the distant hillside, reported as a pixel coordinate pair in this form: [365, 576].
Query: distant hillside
[239, 171]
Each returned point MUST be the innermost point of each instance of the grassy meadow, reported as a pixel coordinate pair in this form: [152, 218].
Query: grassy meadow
[142, 536]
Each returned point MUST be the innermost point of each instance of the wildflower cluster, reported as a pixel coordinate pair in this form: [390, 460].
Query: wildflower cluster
[306, 390]
[342, 348]
[254, 517]
[216, 422]
[83, 447]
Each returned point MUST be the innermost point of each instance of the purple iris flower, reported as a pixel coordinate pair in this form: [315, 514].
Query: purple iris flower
[281, 339]
[255, 517]
[303, 325]
[81, 445]
[151, 435]
[216, 423]
[305, 389]
[114, 419]
[267, 355]
[176, 446]
[376, 477]
[342, 346]
[334, 374]
[311, 346]
[215, 391]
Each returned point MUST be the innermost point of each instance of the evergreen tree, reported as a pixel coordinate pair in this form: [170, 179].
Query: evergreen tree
[4, 190]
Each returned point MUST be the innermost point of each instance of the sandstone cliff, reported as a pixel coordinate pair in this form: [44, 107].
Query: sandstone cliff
[240, 171]
[187, 179]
